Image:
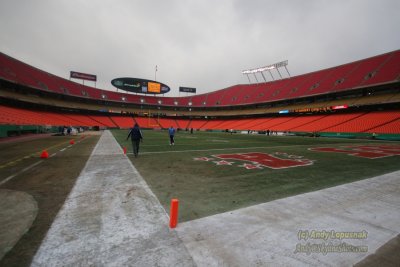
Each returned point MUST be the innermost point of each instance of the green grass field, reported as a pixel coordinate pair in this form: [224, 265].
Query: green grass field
[205, 188]
[202, 187]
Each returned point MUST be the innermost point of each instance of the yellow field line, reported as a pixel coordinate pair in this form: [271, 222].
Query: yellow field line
[31, 155]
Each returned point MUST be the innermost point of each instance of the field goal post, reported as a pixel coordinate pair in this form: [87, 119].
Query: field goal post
[149, 121]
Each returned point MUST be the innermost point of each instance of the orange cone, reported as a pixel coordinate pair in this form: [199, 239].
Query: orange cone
[124, 150]
[72, 142]
[44, 154]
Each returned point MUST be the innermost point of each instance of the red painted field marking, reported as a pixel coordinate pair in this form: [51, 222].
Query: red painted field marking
[364, 151]
[266, 160]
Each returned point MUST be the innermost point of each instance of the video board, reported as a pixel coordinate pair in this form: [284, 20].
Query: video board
[143, 86]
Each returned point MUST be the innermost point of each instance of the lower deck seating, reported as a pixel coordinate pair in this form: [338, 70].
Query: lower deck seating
[122, 121]
[366, 122]
[166, 123]
[388, 128]
[355, 122]
[197, 124]
[104, 120]
[183, 123]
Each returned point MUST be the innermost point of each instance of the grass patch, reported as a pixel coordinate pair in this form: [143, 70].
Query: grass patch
[205, 188]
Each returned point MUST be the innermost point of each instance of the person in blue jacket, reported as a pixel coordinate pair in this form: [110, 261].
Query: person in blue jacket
[171, 132]
[136, 136]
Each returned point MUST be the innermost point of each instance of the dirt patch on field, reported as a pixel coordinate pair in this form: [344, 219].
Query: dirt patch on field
[17, 212]
[387, 255]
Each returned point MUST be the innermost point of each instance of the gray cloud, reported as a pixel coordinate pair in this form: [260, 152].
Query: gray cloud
[197, 43]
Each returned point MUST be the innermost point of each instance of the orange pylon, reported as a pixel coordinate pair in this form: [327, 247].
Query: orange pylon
[72, 142]
[44, 154]
[124, 150]
[173, 216]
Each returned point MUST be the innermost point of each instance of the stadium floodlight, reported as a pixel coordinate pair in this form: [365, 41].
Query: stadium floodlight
[268, 68]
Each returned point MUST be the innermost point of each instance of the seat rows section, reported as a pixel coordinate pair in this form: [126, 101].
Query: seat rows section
[356, 122]
[183, 123]
[17, 116]
[230, 96]
[122, 121]
[363, 70]
[166, 123]
[369, 122]
[391, 127]
[197, 124]
[176, 123]
[366, 122]
[103, 120]
[371, 71]
[375, 70]
[389, 71]
[326, 122]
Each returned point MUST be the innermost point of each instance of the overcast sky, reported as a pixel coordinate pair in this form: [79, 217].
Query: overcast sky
[195, 43]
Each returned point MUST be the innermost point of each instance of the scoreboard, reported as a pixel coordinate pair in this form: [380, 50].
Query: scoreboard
[143, 86]
[153, 87]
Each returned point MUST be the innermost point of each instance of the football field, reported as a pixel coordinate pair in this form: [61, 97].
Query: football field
[215, 172]
[87, 194]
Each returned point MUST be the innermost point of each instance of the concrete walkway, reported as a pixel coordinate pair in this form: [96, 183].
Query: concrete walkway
[111, 218]
[322, 228]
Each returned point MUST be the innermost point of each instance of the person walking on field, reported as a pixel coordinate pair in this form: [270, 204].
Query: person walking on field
[136, 136]
[171, 132]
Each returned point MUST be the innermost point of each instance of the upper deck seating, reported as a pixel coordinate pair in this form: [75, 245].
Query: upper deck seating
[381, 69]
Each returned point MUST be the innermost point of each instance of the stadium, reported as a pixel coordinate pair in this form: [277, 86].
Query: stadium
[199, 133]
[264, 172]
[355, 99]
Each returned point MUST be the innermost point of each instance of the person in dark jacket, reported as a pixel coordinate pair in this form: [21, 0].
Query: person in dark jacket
[136, 136]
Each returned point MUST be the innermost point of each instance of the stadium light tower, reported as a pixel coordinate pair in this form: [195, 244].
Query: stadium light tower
[268, 68]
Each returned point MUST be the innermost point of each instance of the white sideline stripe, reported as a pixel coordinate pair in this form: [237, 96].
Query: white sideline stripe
[21, 171]
[8, 179]
[146, 186]
[111, 218]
